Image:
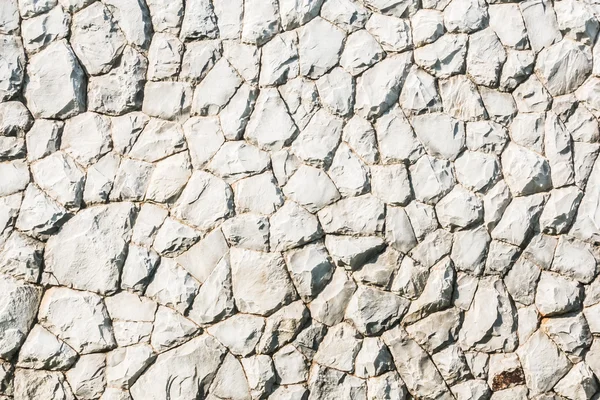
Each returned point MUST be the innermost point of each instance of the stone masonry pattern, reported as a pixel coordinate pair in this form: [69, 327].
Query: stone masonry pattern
[299, 200]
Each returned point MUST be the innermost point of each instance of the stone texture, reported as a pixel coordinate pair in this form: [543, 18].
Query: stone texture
[299, 199]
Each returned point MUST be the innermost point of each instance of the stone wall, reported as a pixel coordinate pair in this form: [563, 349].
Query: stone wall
[299, 199]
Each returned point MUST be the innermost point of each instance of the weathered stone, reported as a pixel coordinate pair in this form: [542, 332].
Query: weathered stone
[266, 288]
[55, 86]
[379, 87]
[78, 318]
[92, 261]
[414, 365]
[490, 323]
[186, 371]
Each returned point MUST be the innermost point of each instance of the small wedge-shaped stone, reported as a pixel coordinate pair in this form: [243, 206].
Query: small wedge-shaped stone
[55, 83]
[261, 284]
[171, 329]
[96, 39]
[79, 318]
[91, 261]
[216, 89]
[172, 286]
[214, 300]
[186, 372]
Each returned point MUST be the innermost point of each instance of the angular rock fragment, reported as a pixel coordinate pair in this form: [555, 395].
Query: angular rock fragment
[260, 282]
[91, 261]
[379, 87]
[18, 306]
[79, 318]
[55, 83]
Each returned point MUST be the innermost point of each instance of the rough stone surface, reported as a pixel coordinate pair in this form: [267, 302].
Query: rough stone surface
[299, 199]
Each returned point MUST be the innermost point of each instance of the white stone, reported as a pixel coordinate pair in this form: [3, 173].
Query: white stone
[361, 51]
[18, 306]
[318, 56]
[78, 318]
[541, 23]
[270, 126]
[55, 86]
[261, 284]
[310, 268]
[60, 177]
[394, 34]
[543, 363]
[507, 22]
[396, 138]
[199, 21]
[205, 201]
[261, 21]
[362, 215]
[216, 89]
[379, 87]
[448, 138]
[86, 137]
[186, 371]
[92, 26]
[92, 261]
[444, 57]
